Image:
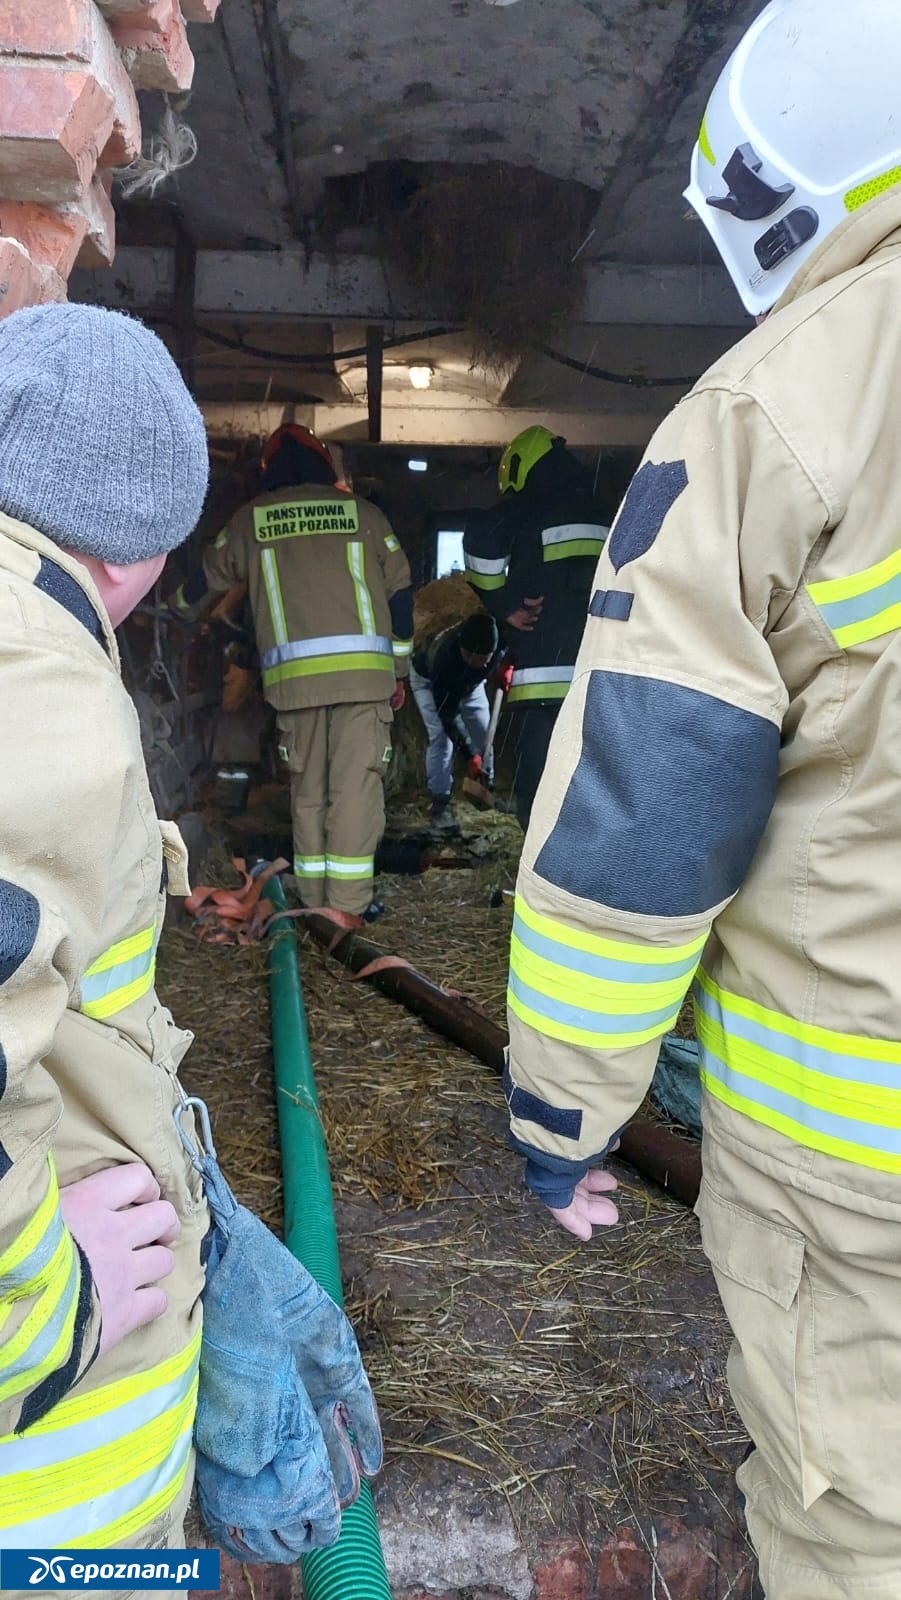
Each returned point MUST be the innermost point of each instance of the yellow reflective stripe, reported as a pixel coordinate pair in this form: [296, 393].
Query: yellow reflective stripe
[59, 1262]
[573, 547]
[704, 145]
[589, 1038]
[125, 950]
[33, 1232]
[349, 867]
[598, 994]
[68, 1479]
[356, 561]
[614, 949]
[221, 539]
[313, 665]
[402, 647]
[538, 691]
[391, 542]
[855, 198]
[44, 1311]
[120, 976]
[864, 605]
[269, 567]
[799, 1132]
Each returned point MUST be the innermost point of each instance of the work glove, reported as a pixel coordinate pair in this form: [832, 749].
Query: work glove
[475, 766]
[503, 677]
[399, 695]
[286, 1421]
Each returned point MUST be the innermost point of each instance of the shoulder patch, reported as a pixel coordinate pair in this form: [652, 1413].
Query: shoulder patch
[20, 917]
[651, 496]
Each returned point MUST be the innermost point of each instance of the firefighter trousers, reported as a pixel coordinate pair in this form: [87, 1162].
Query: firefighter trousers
[809, 1273]
[338, 757]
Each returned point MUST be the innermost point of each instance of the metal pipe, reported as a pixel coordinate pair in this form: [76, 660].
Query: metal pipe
[354, 1568]
[652, 1150]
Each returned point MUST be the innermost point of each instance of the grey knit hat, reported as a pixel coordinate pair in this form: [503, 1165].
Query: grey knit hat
[101, 446]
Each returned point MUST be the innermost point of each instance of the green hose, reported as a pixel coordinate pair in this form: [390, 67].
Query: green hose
[354, 1568]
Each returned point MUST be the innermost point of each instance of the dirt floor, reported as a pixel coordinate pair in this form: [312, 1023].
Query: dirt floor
[532, 1389]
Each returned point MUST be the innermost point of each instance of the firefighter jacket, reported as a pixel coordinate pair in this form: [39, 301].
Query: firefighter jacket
[94, 1451]
[543, 540]
[728, 760]
[330, 593]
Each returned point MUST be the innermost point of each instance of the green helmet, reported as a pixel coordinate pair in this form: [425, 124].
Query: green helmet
[521, 455]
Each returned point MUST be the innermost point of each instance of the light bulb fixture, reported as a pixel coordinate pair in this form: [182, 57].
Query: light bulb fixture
[421, 375]
[417, 466]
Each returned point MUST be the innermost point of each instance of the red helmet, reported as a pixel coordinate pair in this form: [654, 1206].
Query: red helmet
[301, 436]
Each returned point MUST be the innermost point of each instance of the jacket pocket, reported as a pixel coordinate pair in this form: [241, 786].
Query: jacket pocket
[762, 1278]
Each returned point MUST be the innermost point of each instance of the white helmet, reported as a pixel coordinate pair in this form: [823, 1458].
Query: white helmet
[803, 126]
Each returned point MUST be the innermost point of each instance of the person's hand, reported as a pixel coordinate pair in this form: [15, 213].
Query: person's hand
[525, 616]
[475, 766]
[399, 695]
[589, 1207]
[124, 1229]
[502, 678]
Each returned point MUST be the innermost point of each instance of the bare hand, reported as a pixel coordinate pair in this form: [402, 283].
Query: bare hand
[589, 1208]
[124, 1229]
[525, 616]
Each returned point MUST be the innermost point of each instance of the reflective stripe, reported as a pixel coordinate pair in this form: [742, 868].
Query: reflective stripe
[540, 683]
[101, 1465]
[484, 574]
[43, 1341]
[603, 1029]
[326, 664]
[349, 866]
[179, 603]
[391, 543]
[585, 988]
[309, 866]
[356, 561]
[864, 606]
[120, 976]
[573, 539]
[704, 144]
[835, 1092]
[402, 647]
[269, 565]
[28, 1255]
[334, 644]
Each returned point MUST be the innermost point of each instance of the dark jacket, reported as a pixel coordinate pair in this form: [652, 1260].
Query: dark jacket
[450, 678]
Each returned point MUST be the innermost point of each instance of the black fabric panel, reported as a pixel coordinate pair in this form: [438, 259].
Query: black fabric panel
[401, 607]
[57, 1385]
[528, 1107]
[652, 494]
[668, 802]
[195, 586]
[614, 604]
[20, 917]
[61, 587]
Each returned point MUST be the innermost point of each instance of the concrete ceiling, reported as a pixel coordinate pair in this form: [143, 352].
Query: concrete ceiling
[309, 113]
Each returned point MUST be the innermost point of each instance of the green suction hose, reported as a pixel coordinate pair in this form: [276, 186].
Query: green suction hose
[354, 1568]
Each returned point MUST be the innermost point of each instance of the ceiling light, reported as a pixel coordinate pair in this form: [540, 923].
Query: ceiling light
[417, 466]
[421, 376]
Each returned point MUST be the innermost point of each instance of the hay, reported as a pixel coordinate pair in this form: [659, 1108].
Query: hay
[583, 1386]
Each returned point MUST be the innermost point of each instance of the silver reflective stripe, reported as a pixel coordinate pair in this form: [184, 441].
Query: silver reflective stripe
[79, 1522]
[356, 560]
[568, 531]
[543, 675]
[478, 564]
[38, 1258]
[334, 644]
[47, 1336]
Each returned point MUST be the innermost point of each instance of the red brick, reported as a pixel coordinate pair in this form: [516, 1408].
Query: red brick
[199, 10]
[686, 1560]
[52, 236]
[157, 58]
[124, 8]
[99, 246]
[125, 141]
[51, 29]
[20, 279]
[53, 287]
[149, 16]
[241, 1582]
[564, 1574]
[54, 123]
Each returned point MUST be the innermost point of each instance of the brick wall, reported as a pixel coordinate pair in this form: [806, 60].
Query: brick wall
[69, 115]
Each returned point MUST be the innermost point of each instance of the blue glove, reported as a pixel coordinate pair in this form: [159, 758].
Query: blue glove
[281, 1385]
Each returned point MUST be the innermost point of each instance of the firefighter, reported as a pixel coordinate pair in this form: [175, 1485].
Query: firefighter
[531, 559]
[101, 1215]
[333, 614]
[723, 801]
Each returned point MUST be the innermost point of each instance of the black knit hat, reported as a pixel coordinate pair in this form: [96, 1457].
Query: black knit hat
[479, 634]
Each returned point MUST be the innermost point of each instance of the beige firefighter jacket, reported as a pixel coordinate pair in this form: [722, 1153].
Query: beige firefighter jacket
[323, 568]
[94, 1451]
[729, 758]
